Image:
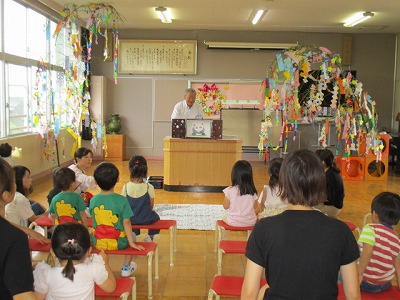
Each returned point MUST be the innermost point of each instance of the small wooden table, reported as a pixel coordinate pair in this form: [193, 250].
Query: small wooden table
[115, 147]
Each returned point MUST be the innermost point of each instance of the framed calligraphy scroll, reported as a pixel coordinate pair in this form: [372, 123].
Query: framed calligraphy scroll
[157, 57]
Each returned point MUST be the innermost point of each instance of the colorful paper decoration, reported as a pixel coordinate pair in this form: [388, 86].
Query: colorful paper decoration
[105, 145]
[17, 152]
[77, 142]
[101, 18]
[49, 147]
[210, 98]
[353, 118]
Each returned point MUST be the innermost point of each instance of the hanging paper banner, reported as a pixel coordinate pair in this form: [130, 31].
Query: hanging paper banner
[77, 142]
[57, 126]
[99, 131]
[316, 93]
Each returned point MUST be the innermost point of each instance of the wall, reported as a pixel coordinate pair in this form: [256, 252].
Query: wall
[139, 99]
[32, 152]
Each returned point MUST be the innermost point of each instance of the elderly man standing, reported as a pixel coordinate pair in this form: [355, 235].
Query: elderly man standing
[188, 108]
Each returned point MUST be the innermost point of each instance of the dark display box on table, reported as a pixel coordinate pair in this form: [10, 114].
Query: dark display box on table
[197, 128]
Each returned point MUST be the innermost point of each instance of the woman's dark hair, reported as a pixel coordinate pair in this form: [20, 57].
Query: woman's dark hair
[81, 152]
[63, 178]
[7, 177]
[70, 241]
[242, 176]
[273, 170]
[19, 172]
[5, 150]
[328, 158]
[387, 206]
[138, 167]
[302, 179]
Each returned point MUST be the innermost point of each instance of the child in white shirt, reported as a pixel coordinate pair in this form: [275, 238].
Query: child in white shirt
[75, 275]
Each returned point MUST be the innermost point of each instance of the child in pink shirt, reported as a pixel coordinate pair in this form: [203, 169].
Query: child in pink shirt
[241, 197]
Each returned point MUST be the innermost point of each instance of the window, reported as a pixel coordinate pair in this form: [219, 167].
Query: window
[14, 28]
[31, 101]
[38, 36]
[17, 91]
[26, 32]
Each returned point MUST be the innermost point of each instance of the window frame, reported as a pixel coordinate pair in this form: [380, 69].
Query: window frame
[53, 49]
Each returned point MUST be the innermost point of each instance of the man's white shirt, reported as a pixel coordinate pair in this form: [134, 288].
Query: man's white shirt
[183, 111]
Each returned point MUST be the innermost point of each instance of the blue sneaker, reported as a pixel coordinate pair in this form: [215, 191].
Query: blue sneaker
[127, 270]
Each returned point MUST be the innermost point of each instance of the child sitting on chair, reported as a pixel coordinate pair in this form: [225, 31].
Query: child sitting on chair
[76, 272]
[380, 245]
[334, 185]
[270, 202]
[67, 206]
[6, 153]
[241, 197]
[22, 210]
[55, 190]
[111, 213]
[140, 195]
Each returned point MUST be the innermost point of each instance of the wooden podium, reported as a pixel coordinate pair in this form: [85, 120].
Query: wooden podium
[199, 165]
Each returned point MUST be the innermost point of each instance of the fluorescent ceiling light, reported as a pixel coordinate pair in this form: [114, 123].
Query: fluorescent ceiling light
[163, 14]
[358, 18]
[258, 16]
[252, 46]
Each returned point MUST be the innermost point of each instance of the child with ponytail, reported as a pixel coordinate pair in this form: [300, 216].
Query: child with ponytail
[140, 195]
[75, 270]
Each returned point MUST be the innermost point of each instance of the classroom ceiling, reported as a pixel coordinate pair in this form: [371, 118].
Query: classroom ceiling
[282, 15]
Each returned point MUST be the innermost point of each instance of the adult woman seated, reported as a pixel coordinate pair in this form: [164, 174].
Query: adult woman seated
[83, 160]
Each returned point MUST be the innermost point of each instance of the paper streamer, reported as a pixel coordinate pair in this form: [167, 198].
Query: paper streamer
[99, 131]
[351, 109]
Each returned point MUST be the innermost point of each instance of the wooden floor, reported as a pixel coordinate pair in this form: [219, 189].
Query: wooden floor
[195, 259]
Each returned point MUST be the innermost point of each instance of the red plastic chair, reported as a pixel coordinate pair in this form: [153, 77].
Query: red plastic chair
[230, 286]
[221, 225]
[125, 287]
[35, 245]
[44, 222]
[391, 294]
[86, 197]
[150, 250]
[229, 247]
[353, 227]
[164, 224]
